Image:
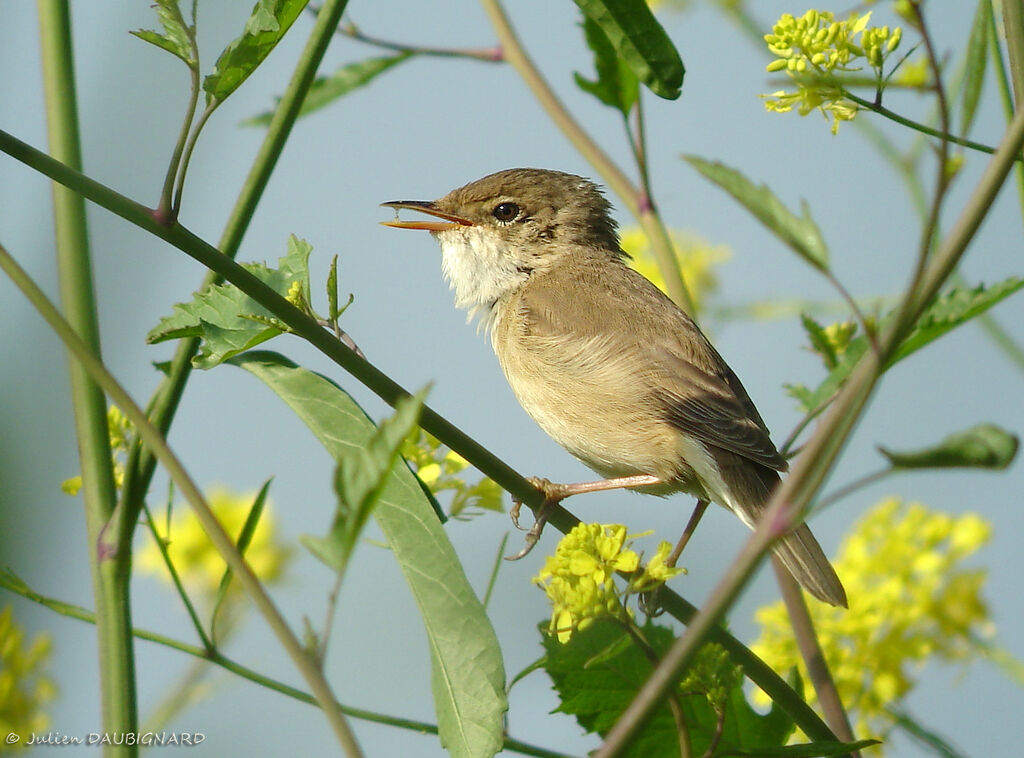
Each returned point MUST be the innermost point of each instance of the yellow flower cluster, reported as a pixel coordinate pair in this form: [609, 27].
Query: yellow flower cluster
[24, 688]
[911, 600]
[120, 429]
[812, 48]
[579, 578]
[437, 467]
[196, 559]
[697, 260]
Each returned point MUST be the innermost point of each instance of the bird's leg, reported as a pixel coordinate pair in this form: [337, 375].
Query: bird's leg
[691, 526]
[556, 493]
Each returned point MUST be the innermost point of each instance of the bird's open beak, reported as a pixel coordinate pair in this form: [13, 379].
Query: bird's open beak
[424, 206]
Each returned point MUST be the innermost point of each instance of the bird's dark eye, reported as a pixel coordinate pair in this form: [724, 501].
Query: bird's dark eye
[505, 211]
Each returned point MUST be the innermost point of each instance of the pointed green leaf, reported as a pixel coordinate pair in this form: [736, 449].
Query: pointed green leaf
[467, 670]
[359, 479]
[229, 321]
[266, 26]
[616, 85]
[820, 342]
[975, 62]
[327, 89]
[946, 312]
[177, 36]
[242, 543]
[641, 42]
[981, 446]
[799, 232]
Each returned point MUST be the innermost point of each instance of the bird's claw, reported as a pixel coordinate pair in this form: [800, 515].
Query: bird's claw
[551, 499]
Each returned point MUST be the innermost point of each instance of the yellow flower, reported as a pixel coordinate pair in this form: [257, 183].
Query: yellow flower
[697, 259]
[579, 578]
[813, 49]
[910, 601]
[24, 687]
[436, 466]
[196, 559]
[120, 430]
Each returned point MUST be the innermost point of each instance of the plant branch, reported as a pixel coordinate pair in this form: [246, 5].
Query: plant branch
[815, 462]
[640, 207]
[111, 572]
[220, 539]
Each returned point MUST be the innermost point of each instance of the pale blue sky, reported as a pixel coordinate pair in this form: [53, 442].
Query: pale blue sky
[422, 129]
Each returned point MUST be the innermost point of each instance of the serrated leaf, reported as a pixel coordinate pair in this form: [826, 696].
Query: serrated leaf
[947, 311]
[975, 62]
[267, 24]
[616, 85]
[467, 673]
[641, 42]
[327, 89]
[599, 671]
[982, 446]
[799, 232]
[177, 36]
[229, 321]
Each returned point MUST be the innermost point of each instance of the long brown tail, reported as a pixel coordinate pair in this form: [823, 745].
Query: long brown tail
[801, 554]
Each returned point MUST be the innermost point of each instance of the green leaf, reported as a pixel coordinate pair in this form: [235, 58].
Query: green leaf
[266, 26]
[947, 311]
[177, 37]
[981, 446]
[805, 750]
[242, 543]
[327, 89]
[359, 479]
[599, 671]
[616, 85]
[799, 232]
[975, 62]
[229, 321]
[467, 670]
[820, 343]
[641, 41]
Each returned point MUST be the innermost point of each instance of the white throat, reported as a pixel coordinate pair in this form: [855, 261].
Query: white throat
[479, 269]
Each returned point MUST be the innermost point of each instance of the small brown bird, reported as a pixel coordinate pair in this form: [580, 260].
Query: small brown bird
[604, 362]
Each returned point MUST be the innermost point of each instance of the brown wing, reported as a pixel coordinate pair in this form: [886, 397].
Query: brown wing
[699, 393]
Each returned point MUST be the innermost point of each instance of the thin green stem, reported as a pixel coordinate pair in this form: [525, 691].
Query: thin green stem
[1005, 91]
[917, 126]
[791, 498]
[641, 207]
[11, 583]
[1013, 25]
[111, 571]
[848, 489]
[382, 385]
[141, 464]
[186, 158]
[168, 207]
[220, 539]
[161, 544]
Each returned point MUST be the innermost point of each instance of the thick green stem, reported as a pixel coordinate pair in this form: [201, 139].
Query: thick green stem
[110, 570]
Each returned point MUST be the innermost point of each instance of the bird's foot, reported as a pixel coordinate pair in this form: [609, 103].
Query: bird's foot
[553, 495]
